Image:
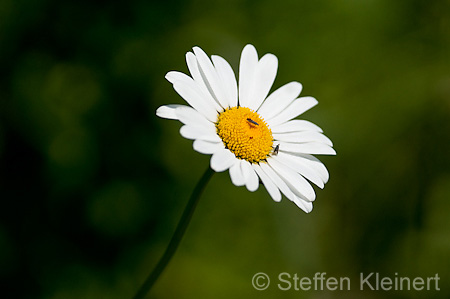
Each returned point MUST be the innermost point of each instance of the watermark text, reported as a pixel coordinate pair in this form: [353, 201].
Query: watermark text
[372, 281]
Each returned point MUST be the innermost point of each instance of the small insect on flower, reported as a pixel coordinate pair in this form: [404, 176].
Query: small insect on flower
[252, 122]
[276, 149]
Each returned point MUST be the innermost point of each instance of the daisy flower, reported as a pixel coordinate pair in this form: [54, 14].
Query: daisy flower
[252, 134]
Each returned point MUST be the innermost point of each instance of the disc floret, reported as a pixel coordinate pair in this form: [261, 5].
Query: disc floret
[245, 133]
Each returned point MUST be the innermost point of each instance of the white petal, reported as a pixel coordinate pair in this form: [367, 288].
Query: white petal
[192, 64]
[276, 179]
[307, 148]
[190, 132]
[303, 137]
[296, 125]
[194, 69]
[315, 164]
[263, 78]
[222, 160]
[173, 76]
[207, 147]
[227, 78]
[191, 95]
[210, 77]
[280, 99]
[236, 175]
[190, 116]
[168, 111]
[296, 164]
[271, 188]
[250, 177]
[279, 182]
[296, 182]
[247, 68]
[306, 206]
[296, 108]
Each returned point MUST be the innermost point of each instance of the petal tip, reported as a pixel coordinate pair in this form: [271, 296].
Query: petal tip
[250, 49]
[167, 111]
[198, 51]
[170, 76]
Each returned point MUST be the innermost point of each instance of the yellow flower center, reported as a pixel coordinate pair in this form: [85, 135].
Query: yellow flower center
[245, 133]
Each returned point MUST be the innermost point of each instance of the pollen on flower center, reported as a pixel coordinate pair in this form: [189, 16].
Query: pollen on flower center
[245, 133]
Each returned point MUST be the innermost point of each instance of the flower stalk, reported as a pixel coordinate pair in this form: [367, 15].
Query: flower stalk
[177, 236]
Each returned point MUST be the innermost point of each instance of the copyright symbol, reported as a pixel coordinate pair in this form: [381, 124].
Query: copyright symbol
[260, 281]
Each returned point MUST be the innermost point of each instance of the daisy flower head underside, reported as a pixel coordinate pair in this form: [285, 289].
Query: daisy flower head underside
[252, 134]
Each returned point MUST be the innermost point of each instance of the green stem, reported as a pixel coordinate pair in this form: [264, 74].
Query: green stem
[177, 236]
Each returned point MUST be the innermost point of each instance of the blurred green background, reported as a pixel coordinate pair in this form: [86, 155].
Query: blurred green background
[92, 183]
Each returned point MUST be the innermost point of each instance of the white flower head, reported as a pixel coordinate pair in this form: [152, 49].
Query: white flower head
[252, 134]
